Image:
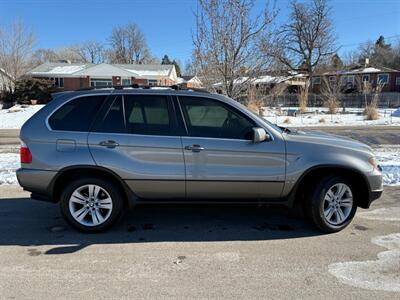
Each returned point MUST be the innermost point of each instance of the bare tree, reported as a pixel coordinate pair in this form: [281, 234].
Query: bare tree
[90, 52]
[128, 45]
[15, 50]
[226, 43]
[306, 40]
[42, 55]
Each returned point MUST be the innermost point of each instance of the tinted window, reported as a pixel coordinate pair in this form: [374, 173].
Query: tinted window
[138, 114]
[114, 119]
[209, 118]
[77, 114]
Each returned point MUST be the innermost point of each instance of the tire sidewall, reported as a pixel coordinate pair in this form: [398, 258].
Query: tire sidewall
[112, 190]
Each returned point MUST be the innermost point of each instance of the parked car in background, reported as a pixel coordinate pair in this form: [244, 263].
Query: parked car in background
[99, 151]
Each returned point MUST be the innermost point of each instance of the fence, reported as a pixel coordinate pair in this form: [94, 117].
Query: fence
[386, 100]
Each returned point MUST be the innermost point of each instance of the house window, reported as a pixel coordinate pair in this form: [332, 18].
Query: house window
[152, 82]
[58, 82]
[397, 80]
[383, 78]
[348, 80]
[101, 82]
[365, 78]
[126, 81]
[316, 80]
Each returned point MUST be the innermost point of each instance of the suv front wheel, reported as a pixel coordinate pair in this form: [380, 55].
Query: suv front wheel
[331, 205]
[91, 204]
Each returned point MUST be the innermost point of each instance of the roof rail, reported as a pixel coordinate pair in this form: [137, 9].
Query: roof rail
[175, 87]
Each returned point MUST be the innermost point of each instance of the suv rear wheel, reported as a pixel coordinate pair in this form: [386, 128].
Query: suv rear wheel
[91, 204]
[331, 205]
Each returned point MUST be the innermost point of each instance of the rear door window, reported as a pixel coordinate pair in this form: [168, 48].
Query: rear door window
[138, 114]
[77, 114]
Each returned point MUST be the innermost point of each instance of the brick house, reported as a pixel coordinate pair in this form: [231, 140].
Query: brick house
[72, 76]
[351, 78]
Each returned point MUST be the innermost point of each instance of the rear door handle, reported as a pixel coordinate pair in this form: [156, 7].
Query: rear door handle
[109, 144]
[194, 148]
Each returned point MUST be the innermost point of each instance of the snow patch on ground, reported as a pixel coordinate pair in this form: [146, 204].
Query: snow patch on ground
[320, 117]
[391, 214]
[9, 162]
[381, 274]
[16, 116]
[389, 159]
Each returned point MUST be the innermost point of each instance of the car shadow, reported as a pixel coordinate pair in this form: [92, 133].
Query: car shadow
[24, 222]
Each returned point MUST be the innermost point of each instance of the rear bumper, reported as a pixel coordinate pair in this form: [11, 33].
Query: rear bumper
[38, 182]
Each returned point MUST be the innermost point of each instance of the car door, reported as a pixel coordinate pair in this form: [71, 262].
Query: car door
[221, 160]
[137, 138]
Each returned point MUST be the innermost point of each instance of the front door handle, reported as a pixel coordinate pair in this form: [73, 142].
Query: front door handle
[194, 148]
[109, 144]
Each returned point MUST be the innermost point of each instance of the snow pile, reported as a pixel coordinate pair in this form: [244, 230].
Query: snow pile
[16, 116]
[9, 162]
[389, 159]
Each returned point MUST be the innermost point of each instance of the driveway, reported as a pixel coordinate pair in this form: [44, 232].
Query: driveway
[197, 252]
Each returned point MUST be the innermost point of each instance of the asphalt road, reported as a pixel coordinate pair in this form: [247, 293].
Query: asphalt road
[188, 252]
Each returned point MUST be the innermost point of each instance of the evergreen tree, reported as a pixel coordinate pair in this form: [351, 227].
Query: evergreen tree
[165, 60]
[177, 67]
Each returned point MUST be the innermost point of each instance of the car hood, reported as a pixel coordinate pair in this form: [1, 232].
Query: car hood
[328, 139]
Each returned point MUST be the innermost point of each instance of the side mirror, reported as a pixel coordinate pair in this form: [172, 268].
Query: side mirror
[260, 135]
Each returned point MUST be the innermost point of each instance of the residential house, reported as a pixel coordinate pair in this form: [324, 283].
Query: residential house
[265, 83]
[351, 79]
[190, 81]
[71, 76]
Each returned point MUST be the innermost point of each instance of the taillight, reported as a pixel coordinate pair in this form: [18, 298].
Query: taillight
[25, 154]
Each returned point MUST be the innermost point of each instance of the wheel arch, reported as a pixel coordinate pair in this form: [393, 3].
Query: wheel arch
[71, 172]
[310, 175]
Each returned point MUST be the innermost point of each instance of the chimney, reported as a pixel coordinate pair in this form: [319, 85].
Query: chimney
[367, 62]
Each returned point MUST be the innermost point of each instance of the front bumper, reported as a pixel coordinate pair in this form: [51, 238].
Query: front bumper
[38, 182]
[375, 183]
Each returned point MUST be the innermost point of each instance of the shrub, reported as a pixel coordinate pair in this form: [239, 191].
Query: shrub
[332, 105]
[33, 88]
[322, 120]
[7, 98]
[371, 113]
[286, 121]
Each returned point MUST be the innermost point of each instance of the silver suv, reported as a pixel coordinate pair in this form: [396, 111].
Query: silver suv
[100, 151]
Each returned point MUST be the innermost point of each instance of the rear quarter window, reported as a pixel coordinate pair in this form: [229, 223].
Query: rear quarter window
[77, 114]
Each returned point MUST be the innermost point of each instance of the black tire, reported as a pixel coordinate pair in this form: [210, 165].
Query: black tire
[114, 192]
[314, 204]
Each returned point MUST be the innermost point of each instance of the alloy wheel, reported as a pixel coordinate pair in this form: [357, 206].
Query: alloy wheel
[338, 203]
[90, 205]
